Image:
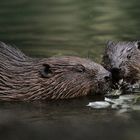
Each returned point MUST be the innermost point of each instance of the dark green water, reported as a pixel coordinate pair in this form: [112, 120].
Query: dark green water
[67, 27]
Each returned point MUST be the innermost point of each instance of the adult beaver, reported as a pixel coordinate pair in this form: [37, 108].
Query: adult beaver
[23, 78]
[123, 60]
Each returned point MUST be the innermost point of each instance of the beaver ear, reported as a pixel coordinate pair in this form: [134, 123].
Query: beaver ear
[138, 45]
[110, 43]
[46, 71]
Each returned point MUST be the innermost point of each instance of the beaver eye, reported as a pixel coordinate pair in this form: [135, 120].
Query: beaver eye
[138, 45]
[79, 68]
[128, 56]
[46, 71]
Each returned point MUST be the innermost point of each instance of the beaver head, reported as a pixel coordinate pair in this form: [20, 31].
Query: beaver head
[26, 78]
[123, 60]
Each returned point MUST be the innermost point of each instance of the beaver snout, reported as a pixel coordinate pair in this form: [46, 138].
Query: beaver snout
[108, 77]
[115, 70]
[116, 74]
[104, 82]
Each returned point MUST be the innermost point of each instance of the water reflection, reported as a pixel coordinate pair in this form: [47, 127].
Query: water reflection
[65, 120]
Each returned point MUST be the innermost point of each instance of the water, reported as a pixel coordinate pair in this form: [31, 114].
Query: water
[67, 27]
[66, 120]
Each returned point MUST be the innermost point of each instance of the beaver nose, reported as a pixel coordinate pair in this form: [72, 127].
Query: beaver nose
[116, 73]
[108, 78]
[115, 70]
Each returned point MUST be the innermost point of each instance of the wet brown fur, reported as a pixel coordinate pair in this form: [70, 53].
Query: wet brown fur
[23, 78]
[124, 56]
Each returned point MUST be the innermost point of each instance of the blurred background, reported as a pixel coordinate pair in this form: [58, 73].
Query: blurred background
[68, 27]
[44, 28]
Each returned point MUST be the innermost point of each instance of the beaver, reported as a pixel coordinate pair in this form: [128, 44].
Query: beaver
[23, 78]
[122, 59]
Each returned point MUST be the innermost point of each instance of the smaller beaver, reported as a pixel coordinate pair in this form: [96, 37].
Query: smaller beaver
[122, 59]
[23, 78]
